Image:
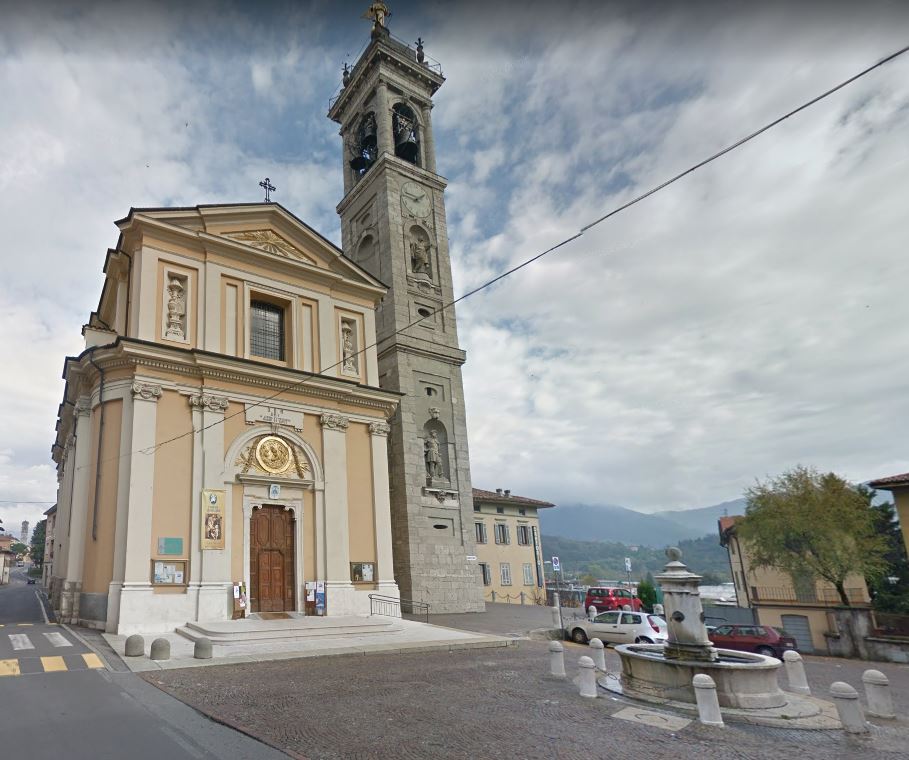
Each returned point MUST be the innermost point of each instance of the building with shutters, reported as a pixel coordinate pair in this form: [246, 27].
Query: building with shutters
[509, 552]
[800, 605]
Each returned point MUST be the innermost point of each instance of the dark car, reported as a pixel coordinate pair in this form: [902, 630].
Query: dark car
[30, 581]
[760, 639]
[609, 598]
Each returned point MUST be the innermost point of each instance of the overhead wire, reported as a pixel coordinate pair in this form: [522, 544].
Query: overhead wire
[507, 273]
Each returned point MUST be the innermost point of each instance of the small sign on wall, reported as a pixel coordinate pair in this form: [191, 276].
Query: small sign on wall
[274, 415]
[213, 525]
[170, 546]
[274, 491]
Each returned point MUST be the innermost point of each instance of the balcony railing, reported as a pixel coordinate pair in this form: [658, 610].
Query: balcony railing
[789, 595]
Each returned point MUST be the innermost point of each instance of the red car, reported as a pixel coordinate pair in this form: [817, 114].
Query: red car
[604, 598]
[760, 639]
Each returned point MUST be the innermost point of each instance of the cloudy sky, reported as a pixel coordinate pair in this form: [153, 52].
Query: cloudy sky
[748, 318]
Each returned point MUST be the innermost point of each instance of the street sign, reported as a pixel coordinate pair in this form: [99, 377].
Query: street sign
[627, 564]
[556, 565]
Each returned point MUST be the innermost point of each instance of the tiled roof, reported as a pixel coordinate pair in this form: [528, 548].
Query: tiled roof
[481, 495]
[892, 480]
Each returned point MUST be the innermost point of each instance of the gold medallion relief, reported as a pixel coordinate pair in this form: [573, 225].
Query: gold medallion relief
[273, 454]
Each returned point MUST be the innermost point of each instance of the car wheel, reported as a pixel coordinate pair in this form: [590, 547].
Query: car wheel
[642, 640]
[578, 636]
[766, 651]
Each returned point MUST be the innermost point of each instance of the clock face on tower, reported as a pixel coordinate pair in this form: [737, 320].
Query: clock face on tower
[415, 199]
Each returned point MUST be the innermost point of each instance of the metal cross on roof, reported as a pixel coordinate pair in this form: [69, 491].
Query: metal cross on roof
[268, 187]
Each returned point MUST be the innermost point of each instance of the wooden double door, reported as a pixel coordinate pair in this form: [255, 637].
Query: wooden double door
[271, 560]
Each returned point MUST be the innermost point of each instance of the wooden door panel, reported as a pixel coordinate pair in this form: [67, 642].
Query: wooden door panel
[271, 545]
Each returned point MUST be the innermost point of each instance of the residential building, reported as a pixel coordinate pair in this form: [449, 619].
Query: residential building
[509, 553]
[800, 605]
[47, 571]
[898, 485]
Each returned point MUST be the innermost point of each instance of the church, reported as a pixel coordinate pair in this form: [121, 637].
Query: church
[263, 423]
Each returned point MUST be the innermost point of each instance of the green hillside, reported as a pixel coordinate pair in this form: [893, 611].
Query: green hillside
[606, 559]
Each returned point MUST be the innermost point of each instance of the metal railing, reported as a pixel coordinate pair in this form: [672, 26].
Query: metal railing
[790, 595]
[391, 606]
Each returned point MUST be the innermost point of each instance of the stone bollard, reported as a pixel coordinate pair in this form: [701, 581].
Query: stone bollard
[708, 705]
[202, 649]
[557, 659]
[795, 673]
[160, 650]
[598, 654]
[848, 707]
[135, 645]
[877, 694]
[588, 678]
[556, 617]
[591, 612]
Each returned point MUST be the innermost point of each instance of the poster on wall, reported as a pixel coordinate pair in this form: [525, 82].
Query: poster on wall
[213, 526]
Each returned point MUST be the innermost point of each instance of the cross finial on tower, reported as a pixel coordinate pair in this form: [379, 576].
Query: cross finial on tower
[268, 187]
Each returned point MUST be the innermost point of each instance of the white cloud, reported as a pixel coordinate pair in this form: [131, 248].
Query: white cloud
[745, 319]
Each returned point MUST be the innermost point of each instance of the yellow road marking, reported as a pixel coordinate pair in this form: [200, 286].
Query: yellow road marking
[53, 664]
[92, 660]
[9, 668]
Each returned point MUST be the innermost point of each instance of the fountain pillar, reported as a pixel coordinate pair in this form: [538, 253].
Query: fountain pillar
[684, 612]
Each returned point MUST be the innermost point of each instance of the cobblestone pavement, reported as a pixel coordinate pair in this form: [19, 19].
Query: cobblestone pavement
[494, 703]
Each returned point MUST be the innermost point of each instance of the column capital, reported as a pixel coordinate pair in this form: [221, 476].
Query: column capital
[379, 428]
[146, 391]
[83, 407]
[334, 422]
[208, 402]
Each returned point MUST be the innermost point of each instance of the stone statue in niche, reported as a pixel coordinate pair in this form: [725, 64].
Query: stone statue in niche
[433, 456]
[419, 256]
[176, 310]
[348, 355]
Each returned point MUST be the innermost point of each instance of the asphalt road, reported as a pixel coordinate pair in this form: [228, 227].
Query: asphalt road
[64, 698]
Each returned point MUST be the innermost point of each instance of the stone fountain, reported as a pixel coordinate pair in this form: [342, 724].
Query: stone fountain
[664, 671]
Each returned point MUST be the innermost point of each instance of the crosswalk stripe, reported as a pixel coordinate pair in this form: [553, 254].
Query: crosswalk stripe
[53, 664]
[57, 639]
[20, 641]
[9, 668]
[92, 660]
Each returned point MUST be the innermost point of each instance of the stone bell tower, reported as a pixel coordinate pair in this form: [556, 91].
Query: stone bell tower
[393, 225]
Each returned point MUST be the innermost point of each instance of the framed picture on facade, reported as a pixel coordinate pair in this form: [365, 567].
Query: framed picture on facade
[362, 572]
[169, 572]
[213, 525]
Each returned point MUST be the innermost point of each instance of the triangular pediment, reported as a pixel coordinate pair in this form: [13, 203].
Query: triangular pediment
[271, 241]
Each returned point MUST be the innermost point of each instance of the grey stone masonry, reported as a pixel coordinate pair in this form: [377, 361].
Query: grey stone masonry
[393, 225]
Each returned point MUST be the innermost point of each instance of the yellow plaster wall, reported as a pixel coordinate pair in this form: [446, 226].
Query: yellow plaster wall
[515, 554]
[360, 509]
[309, 536]
[98, 566]
[817, 622]
[236, 537]
[171, 499]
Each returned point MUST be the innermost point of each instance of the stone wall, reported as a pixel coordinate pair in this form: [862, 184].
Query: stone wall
[856, 637]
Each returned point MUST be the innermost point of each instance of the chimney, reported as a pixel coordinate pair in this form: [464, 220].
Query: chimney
[507, 493]
[498, 492]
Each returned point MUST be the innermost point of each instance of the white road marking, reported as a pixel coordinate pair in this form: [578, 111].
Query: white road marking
[20, 641]
[41, 605]
[57, 639]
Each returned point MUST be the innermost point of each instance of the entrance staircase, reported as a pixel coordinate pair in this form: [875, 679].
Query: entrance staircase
[254, 630]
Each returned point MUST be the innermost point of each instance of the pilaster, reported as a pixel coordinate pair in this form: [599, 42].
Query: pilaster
[382, 505]
[78, 514]
[337, 539]
[429, 143]
[383, 121]
[122, 519]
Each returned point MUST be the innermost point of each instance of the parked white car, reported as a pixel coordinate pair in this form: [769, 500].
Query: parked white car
[618, 627]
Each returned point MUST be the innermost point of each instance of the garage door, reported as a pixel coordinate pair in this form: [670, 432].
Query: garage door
[798, 627]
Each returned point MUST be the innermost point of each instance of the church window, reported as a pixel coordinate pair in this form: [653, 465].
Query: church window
[266, 330]
[505, 573]
[487, 574]
[480, 529]
[502, 536]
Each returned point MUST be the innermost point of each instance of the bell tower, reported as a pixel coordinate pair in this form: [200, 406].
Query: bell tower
[393, 225]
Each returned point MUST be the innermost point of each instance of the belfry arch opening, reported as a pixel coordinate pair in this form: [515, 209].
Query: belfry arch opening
[406, 132]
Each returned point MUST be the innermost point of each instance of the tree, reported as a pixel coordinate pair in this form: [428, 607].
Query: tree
[18, 548]
[38, 543]
[647, 593]
[808, 523]
[890, 590]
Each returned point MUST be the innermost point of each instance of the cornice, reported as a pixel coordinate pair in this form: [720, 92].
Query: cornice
[391, 163]
[446, 354]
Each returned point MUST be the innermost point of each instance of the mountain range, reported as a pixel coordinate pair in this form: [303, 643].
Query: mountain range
[608, 522]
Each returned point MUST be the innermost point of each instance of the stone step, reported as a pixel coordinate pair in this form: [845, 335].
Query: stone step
[250, 630]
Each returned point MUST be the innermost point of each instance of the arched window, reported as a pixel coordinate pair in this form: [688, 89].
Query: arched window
[406, 133]
[364, 145]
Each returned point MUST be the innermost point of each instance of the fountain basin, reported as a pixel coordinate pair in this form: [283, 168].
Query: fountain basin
[743, 680]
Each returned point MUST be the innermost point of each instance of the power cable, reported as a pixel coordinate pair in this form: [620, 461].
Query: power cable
[652, 191]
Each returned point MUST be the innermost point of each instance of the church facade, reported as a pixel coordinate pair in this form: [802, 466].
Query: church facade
[221, 444]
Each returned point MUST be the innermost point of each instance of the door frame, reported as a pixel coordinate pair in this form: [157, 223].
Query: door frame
[283, 566]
